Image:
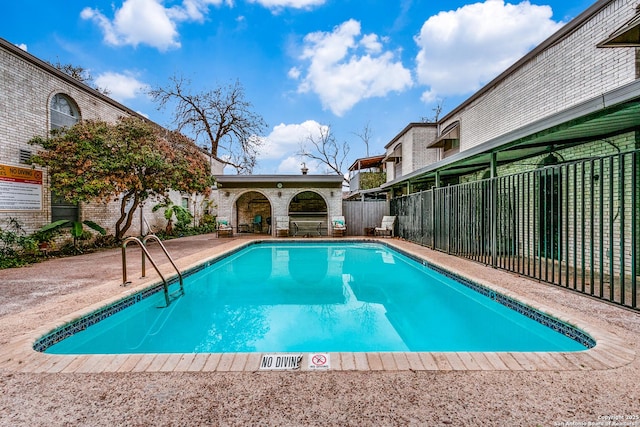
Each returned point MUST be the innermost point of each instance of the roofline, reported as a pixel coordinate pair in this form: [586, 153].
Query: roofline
[375, 190]
[409, 127]
[380, 156]
[555, 38]
[26, 56]
[279, 178]
[620, 95]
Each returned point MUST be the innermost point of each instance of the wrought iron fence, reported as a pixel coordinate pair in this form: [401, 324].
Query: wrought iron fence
[574, 225]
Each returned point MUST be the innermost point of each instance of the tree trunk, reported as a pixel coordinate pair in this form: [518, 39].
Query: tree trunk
[126, 217]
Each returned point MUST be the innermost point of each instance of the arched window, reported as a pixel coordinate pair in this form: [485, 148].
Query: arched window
[63, 111]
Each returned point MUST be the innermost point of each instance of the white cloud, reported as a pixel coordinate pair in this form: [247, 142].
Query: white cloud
[121, 86]
[195, 10]
[284, 140]
[341, 74]
[293, 165]
[294, 73]
[149, 22]
[463, 49]
[294, 4]
[137, 22]
[22, 46]
[371, 44]
[290, 165]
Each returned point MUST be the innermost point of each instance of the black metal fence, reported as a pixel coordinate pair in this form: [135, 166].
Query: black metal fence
[574, 225]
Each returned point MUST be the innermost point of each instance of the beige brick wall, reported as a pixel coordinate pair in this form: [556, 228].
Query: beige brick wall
[414, 152]
[26, 89]
[279, 201]
[564, 75]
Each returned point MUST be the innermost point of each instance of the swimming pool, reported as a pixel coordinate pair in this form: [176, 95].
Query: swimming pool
[317, 297]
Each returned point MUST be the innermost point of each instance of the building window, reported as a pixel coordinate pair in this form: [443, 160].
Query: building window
[185, 203]
[64, 112]
[451, 146]
[62, 209]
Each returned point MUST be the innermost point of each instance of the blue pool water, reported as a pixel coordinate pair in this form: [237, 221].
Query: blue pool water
[317, 297]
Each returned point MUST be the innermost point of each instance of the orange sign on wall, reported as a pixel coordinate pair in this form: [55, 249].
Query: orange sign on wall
[18, 174]
[20, 189]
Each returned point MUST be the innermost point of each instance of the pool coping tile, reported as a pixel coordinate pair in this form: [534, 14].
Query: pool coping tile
[609, 352]
[198, 362]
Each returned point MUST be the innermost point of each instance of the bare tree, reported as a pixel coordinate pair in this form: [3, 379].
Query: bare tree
[324, 148]
[81, 74]
[221, 120]
[365, 136]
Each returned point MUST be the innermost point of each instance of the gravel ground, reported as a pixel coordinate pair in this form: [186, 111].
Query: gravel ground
[42, 293]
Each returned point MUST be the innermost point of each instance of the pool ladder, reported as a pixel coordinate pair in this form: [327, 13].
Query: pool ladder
[145, 254]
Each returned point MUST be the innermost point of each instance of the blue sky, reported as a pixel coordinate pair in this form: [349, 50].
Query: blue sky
[304, 64]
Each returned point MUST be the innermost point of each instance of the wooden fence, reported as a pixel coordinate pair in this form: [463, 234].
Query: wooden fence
[362, 214]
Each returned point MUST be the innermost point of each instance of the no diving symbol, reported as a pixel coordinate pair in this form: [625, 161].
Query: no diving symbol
[319, 359]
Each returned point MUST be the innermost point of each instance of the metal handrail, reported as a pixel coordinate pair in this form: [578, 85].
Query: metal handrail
[155, 266]
[164, 249]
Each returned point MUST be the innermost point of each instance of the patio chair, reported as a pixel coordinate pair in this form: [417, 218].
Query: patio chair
[339, 226]
[282, 226]
[386, 227]
[257, 224]
[223, 227]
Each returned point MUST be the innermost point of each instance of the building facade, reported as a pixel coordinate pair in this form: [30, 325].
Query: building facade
[35, 98]
[539, 171]
[252, 202]
[570, 95]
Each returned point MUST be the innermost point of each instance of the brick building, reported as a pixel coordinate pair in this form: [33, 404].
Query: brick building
[34, 99]
[539, 171]
[251, 201]
[575, 95]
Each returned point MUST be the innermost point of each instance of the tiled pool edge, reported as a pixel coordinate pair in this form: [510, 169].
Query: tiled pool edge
[82, 321]
[608, 353]
[567, 329]
[550, 321]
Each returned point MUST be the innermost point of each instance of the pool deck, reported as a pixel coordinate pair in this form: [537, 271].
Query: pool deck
[44, 296]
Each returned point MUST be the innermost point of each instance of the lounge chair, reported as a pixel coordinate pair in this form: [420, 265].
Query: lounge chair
[223, 227]
[386, 227]
[339, 226]
[282, 226]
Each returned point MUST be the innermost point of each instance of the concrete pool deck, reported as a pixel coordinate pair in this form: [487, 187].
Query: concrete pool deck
[40, 297]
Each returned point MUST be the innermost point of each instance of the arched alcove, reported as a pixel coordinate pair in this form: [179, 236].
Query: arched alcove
[308, 213]
[253, 213]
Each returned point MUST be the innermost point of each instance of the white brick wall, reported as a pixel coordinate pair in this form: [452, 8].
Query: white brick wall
[279, 200]
[26, 89]
[25, 93]
[413, 144]
[564, 75]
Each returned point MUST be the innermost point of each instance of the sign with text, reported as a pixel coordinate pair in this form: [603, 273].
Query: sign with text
[280, 362]
[319, 361]
[20, 189]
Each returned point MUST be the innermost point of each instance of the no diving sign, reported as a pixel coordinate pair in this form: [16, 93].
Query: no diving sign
[280, 362]
[319, 361]
[285, 362]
